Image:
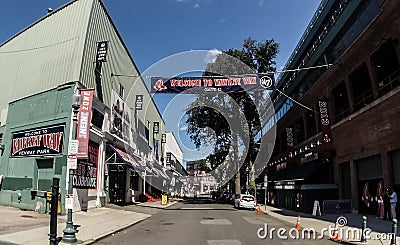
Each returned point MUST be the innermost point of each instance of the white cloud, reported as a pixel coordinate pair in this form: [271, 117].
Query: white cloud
[183, 128]
[196, 6]
[260, 3]
[212, 55]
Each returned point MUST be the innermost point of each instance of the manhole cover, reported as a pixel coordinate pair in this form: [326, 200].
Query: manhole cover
[27, 216]
[167, 223]
[208, 218]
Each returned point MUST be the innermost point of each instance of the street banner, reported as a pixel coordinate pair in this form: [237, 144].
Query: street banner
[212, 84]
[85, 174]
[121, 118]
[45, 141]
[84, 119]
[327, 143]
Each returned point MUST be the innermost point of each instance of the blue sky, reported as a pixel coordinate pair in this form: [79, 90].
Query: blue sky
[155, 29]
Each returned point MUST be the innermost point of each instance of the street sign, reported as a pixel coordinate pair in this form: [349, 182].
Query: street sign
[69, 201]
[73, 147]
[72, 162]
[265, 181]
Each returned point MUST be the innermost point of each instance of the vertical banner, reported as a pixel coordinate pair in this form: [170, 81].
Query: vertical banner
[84, 119]
[289, 141]
[121, 117]
[139, 102]
[156, 127]
[327, 143]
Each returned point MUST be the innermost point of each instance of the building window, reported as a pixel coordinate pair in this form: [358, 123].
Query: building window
[45, 174]
[311, 123]
[341, 102]
[300, 130]
[387, 67]
[121, 91]
[361, 86]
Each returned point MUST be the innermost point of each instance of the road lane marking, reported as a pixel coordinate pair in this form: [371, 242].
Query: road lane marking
[224, 242]
[216, 222]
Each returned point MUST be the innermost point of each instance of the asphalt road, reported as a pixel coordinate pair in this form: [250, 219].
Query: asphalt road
[204, 222]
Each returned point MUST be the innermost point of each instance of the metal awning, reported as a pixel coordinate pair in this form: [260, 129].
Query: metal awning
[127, 159]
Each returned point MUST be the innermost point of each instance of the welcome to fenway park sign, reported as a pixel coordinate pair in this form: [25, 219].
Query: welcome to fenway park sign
[45, 141]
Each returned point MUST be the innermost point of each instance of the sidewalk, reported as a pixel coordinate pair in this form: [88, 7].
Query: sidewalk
[28, 227]
[354, 221]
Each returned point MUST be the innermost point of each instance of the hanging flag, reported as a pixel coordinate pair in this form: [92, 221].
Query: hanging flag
[84, 119]
[213, 84]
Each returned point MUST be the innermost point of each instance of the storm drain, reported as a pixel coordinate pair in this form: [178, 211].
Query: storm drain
[27, 216]
[168, 223]
[209, 218]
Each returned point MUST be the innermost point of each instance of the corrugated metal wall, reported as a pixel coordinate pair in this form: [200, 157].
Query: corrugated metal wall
[45, 55]
[118, 62]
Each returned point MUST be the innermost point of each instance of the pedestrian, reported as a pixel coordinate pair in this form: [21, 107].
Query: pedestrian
[386, 205]
[393, 202]
[379, 213]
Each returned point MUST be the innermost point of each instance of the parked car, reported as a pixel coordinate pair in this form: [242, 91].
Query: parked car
[245, 201]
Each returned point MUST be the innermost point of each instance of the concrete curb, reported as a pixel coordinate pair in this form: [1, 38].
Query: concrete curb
[107, 234]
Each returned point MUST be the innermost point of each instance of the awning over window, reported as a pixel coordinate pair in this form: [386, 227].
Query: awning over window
[127, 159]
[305, 172]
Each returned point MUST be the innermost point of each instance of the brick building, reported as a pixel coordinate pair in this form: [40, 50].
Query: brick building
[352, 48]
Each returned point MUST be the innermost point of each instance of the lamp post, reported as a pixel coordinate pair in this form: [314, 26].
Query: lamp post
[247, 179]
[69, 231]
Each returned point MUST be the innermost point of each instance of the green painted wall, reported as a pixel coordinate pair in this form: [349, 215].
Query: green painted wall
[24, 174]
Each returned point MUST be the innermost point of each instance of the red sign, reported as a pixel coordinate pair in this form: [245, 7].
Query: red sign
[84, 118]
[327, 143]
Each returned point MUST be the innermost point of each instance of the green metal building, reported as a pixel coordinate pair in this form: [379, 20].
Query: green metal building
[75, 46]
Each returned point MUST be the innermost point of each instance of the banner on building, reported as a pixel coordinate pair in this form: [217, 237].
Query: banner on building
[84, 119]
[85, 175]
[101, 51]
[121, 118]
[45, 141]
[212, 84]
[327, 143]
[139, 102]
[289, 141]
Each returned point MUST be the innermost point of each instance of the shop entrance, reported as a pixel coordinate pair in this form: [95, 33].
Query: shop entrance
[117, 175]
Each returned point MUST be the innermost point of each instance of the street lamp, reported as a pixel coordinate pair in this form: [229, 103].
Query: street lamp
[69, 231]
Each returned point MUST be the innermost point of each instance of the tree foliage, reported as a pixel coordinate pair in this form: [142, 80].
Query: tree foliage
[207, 125]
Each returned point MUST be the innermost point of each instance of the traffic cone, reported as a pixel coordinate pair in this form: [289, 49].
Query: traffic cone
[335, 235]
[298, 223]
[258, 211]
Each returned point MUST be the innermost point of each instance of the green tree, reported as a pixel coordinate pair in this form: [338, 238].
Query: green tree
[253, 57]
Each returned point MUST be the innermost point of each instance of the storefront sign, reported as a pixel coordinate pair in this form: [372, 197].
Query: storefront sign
[84, 119]
[85, 174]
[45, 141]
[212, 84]
[309, 157]
[325, 125]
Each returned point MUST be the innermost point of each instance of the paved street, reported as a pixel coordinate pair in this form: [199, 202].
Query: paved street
[203, 222]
